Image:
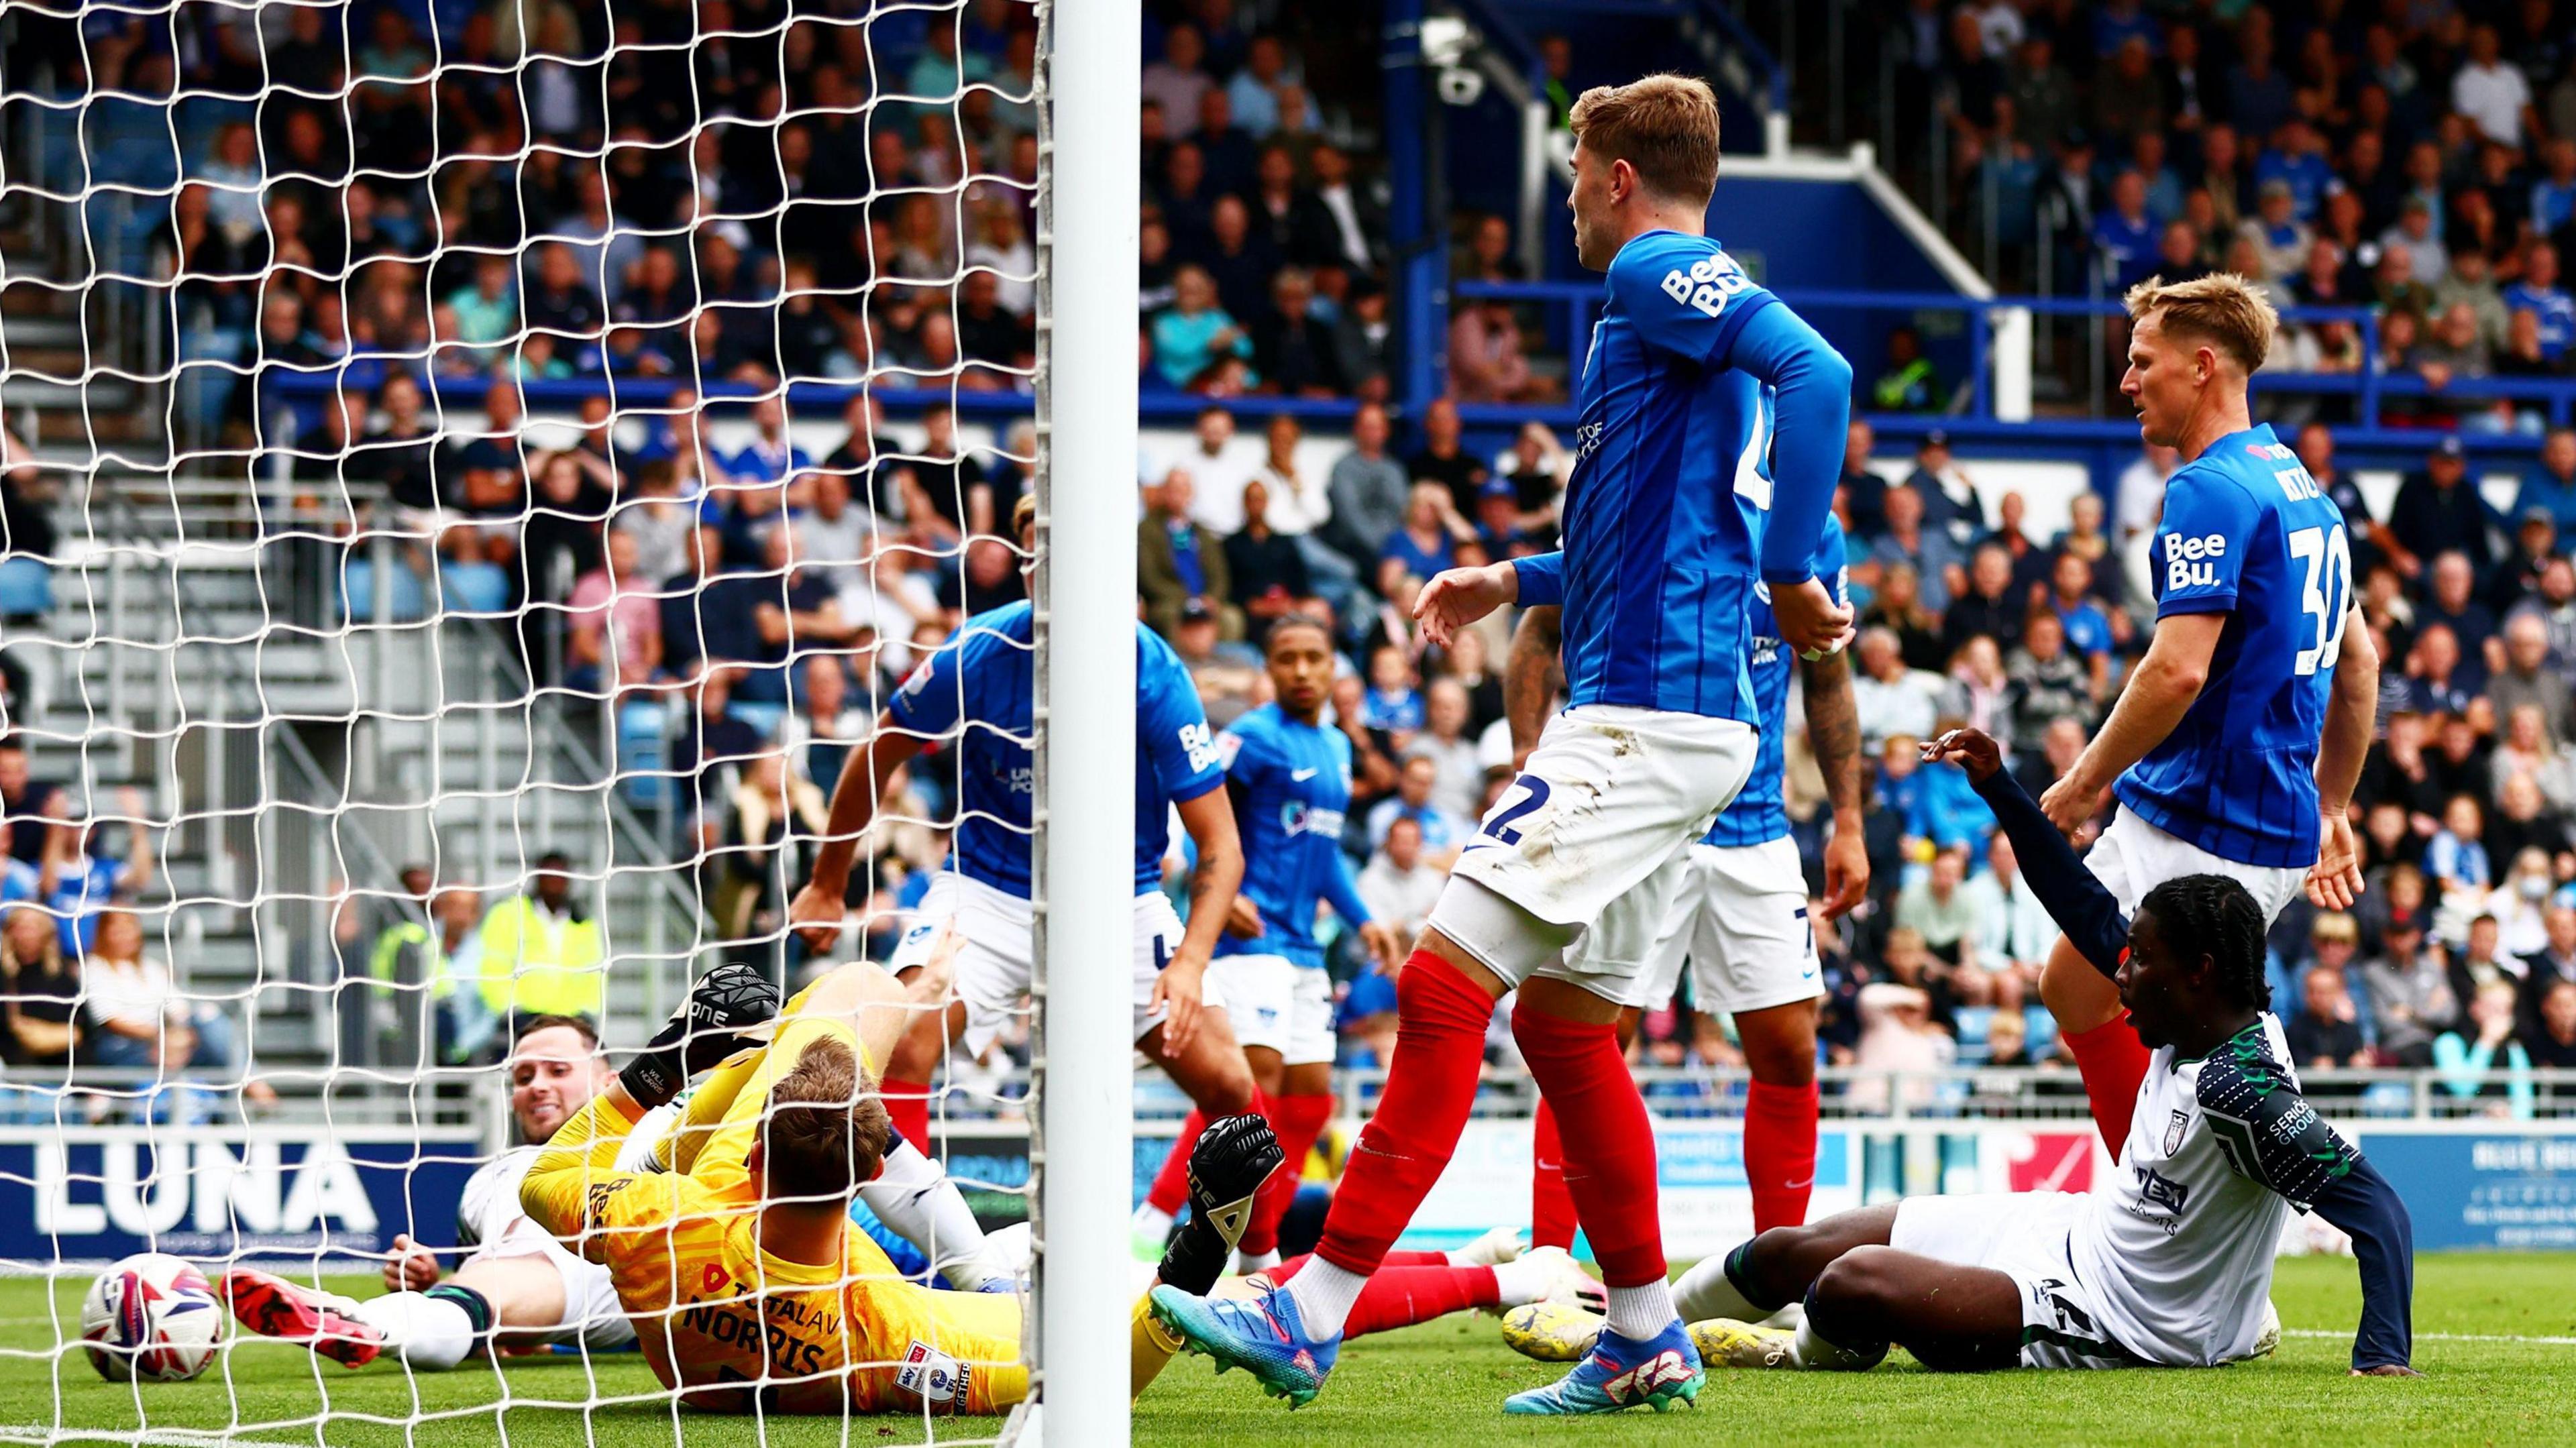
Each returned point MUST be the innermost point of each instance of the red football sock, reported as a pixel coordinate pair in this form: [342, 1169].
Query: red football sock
[1552, 1222]
[908, 1103]
[1280, 1274]
[1403, 1296]
[2113, 1062]
[1430, 1088]
[1780, 1152]
[1298, 1120]
[1609, 1142]
[1171, 1189]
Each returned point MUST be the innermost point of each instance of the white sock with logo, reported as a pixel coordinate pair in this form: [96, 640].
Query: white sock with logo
[429, 1334]
[1638, 1313]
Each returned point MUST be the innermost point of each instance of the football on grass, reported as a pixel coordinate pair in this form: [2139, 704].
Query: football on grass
[151, 1317]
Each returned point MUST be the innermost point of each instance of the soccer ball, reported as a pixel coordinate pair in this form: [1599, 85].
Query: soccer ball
[153, 1317]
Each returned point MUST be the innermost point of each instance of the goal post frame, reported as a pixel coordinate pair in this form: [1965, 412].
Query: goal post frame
[1082, 1138]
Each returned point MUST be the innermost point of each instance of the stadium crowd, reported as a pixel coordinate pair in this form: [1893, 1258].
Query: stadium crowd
[774, 205]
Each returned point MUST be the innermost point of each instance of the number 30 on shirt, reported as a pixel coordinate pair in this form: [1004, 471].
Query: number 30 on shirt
[2325, 594]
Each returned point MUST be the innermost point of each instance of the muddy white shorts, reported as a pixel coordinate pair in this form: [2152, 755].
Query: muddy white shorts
[1739, 921]
[993, 967]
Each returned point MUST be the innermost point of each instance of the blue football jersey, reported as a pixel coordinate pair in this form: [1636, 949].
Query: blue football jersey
[1292, 787]
[974, 692]
[2248, 533]
[1759, 814]
[1691, 365]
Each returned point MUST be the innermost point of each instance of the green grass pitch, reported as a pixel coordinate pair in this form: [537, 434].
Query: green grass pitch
[2496, 1336]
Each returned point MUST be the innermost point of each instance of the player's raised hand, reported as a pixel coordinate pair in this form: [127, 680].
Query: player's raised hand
[2335, 880]
[1180, 992]
[1460, 596]
[410, 1267]
[1973, 750]
[816, 915]
[726, 1001]
[1810, 620]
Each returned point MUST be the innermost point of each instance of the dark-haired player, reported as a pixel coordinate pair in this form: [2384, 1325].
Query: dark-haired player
[2171, 1263]
[1288, 774]
[2238, 738]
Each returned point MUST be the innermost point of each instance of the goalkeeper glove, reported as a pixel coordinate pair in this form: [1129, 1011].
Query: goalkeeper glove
[729, 999]
[1233, 1157]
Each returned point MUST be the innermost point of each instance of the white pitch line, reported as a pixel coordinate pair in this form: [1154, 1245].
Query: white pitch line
[2445, 1337]
[41, 1433]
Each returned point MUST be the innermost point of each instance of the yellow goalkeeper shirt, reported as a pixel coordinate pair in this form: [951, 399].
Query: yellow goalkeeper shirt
[737, 1325]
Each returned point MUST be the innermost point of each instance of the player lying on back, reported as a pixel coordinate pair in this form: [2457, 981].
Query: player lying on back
[2171, 1264]
[518, 1289]
[1288, 775]
[1740, 916]
[2235, 745]
[1691, 363]
[749, 1285]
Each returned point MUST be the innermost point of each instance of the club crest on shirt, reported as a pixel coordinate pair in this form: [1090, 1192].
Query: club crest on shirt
[2174, 1129]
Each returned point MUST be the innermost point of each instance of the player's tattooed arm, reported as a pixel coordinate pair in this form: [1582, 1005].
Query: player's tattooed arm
[1833, 731]
[818, 909]
[1529, 676]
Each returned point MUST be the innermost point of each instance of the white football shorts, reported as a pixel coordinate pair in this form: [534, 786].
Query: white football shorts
[2023, 1235]
[593, 1316]
[1274, 1002]
[1605, 812]
[993, 967]
[2133, 857]
[1739, 920]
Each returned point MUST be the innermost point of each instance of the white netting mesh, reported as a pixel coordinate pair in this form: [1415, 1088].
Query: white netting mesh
[442, 439]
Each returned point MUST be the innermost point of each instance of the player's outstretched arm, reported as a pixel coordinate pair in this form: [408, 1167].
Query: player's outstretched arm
[2336, 880]
[818, 909]
[2088, 914]
[2160, 692]
[2271, 1135]
[1457, 597]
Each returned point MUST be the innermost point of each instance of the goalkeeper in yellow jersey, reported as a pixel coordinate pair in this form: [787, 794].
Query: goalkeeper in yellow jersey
[746, 1281]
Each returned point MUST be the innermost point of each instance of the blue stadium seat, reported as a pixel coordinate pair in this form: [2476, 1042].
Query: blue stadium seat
[763, 717]
[2040, 1030]
[1974, 1022]
[406, 601]
[642, 753]
[473, 587]
[26, 587]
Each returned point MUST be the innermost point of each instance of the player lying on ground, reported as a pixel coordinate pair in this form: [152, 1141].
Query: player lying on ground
[2171, 1264]
[749, 1286]
[2236, 742]
[1690, 364]
[518, 1289]
[1288, 776]
[973, 694]
[1739, 917]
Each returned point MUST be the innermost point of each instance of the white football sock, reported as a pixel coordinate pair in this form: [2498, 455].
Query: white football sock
[429, 1334]
[1324, 1296]
[1705, 1291]
[1638, 1313]
[1247, 1263]
[1522, 1281]
[1151, 1221]
[1811, 1350]
[915, 1197]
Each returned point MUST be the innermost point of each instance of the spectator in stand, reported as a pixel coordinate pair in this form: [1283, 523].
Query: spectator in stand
[1368, 490]
[2550, 486]
[1427, 543]
[1459, 789]
[136, 1016]
[1396, 885]
[1486, 361]
[542, 954]
[2483, 1044]
[1267, 572]
[2471, 279]
[2439, 682]
[1179, 560]
[1364, 341]
[80, 875]
[2456, 858]
[2552, 1044]
[1292, 348]
[1928, 550]
[616, 638]
[39, 992]
[1898, 608]
[32, 806]
[2409, 991]
[2539, 293]
[2125, 233]
[2454, 605]
[2326, 1033]
[1194, 333]
[1860, 494]
[1908, 383]
[2450, 351]
[2555, 961]
[1950, 501]
[2015, 931]
[2437, 510]
[1176, 81]
[2527, 682]
[2493, 93]
[816, 736]
[1938, 907]
[2281, 241]
[2048, 683]
[1416, 785]
[1445, 460]
[1394, 701]
[1987, 608]
[1890, 699]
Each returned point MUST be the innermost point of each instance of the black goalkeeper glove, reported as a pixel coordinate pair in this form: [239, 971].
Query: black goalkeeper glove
[1234, 1156]
[728, 999]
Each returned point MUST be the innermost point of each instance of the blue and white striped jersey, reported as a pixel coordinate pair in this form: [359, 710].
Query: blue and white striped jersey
[1759, 814]
[974, 693]
[2248, 533]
